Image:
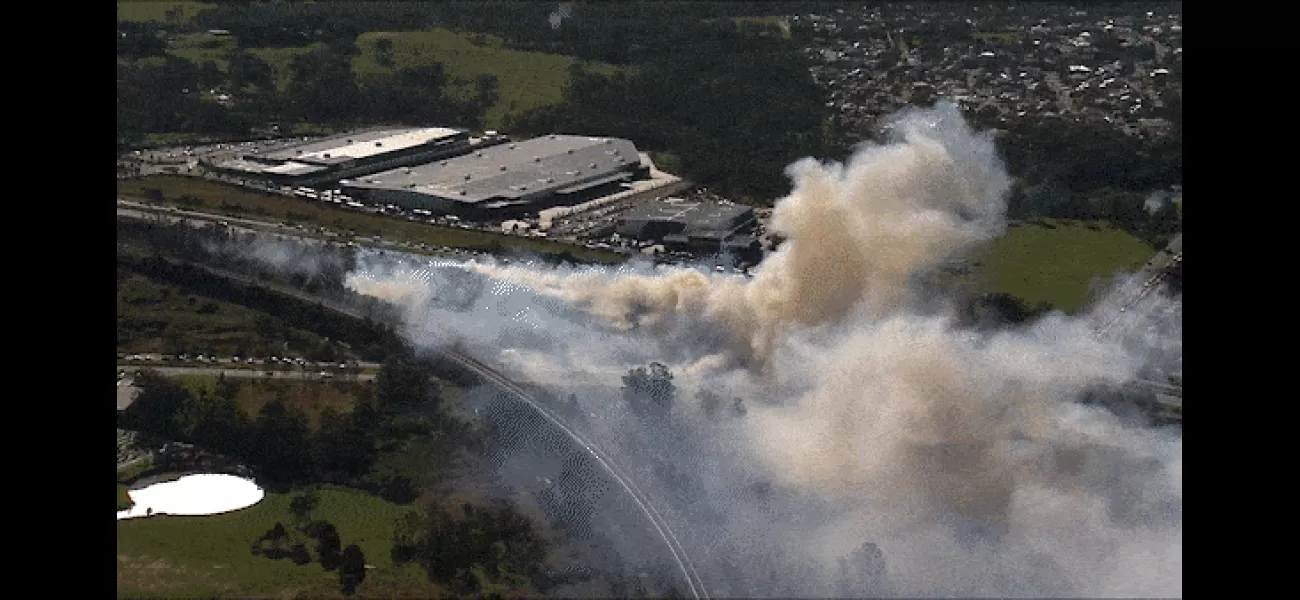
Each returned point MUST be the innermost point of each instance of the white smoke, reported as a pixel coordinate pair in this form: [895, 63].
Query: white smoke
[962, 456]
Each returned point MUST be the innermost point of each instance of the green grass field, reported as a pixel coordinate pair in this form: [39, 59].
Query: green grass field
[778, 20]
[1005, 37]
[152, 10]
[1058, 263]
[312, 398]
[527, 79]
[209, 556]
[155, 317]
[232, 200]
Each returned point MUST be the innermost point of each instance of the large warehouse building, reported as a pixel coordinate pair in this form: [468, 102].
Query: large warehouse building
[508, 180]
[693, 226]
[349, 155]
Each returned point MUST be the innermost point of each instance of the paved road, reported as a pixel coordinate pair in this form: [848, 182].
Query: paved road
[251, 373]
[1116, 313]
[145, 212]
[615, 472]
[661, 526]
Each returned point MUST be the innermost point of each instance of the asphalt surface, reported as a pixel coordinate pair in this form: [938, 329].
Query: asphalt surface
[296, 373]
[660, 526]
[1123, 308]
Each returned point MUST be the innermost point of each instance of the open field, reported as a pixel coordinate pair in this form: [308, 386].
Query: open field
[141, 10]
[219, 198]
[1057, 262]
[202, 46]
[209, 556]
[154, 317]
[310, 397]
[778, 20]
[1006, 37]
[527, 79]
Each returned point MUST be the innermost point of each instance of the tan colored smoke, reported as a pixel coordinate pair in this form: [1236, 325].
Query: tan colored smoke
[855, 234]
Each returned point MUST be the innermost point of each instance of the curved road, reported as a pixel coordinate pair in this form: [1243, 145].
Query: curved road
[490, 375]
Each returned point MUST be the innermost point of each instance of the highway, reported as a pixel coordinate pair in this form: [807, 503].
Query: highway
[314, 375]
[1141, 304]
[1116, 312]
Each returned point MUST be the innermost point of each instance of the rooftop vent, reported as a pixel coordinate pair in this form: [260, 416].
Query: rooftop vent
[569, 151]
[537, 159]
[503, 167]
[467, 177]
[378, 144]
[512, 146]
[349, 140]
[593, 165]
[462, 192]
[443, 163]
[327, 155]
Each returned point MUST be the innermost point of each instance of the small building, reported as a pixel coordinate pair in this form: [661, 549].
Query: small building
[693, 226]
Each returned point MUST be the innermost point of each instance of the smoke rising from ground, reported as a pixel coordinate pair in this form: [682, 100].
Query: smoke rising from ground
[961, 455]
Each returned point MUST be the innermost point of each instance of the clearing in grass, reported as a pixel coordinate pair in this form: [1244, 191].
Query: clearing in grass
[1058, 262]
[206, 556]
[527, 79]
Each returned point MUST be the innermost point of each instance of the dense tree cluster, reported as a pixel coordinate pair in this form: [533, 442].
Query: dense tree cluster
[650, 390]
[735, 107]
[477, 550]
[278, 443]
[297, 544]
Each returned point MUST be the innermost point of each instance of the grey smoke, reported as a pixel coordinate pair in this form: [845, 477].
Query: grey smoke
[963, 457]
[557, 17]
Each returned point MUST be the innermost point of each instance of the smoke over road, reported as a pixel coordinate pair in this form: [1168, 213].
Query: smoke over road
[961, 456]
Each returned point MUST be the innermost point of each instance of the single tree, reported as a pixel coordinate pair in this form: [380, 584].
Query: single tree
[303, 503]
[328, 546]
[384, 53]
[352, 569]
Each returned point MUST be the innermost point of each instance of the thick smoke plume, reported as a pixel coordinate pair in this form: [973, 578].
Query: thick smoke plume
[962, 456]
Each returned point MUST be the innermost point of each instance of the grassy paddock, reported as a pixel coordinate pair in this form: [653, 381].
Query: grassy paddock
[1058, 262]
[312, 398]
[232, 200]
[1005, 37]
[527, 79]
[153, 317]
[209, 556]
[155, 11]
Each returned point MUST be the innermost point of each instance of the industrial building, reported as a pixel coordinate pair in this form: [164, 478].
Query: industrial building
[692, 226]
[508, 180]
[349, 155]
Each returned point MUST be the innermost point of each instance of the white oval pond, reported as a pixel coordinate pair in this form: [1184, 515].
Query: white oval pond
[204, 494]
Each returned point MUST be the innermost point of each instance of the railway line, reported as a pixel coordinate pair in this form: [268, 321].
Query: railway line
[491, 376]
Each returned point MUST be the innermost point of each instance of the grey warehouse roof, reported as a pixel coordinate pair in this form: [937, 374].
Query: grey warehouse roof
[553, 163]
[699, 217]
